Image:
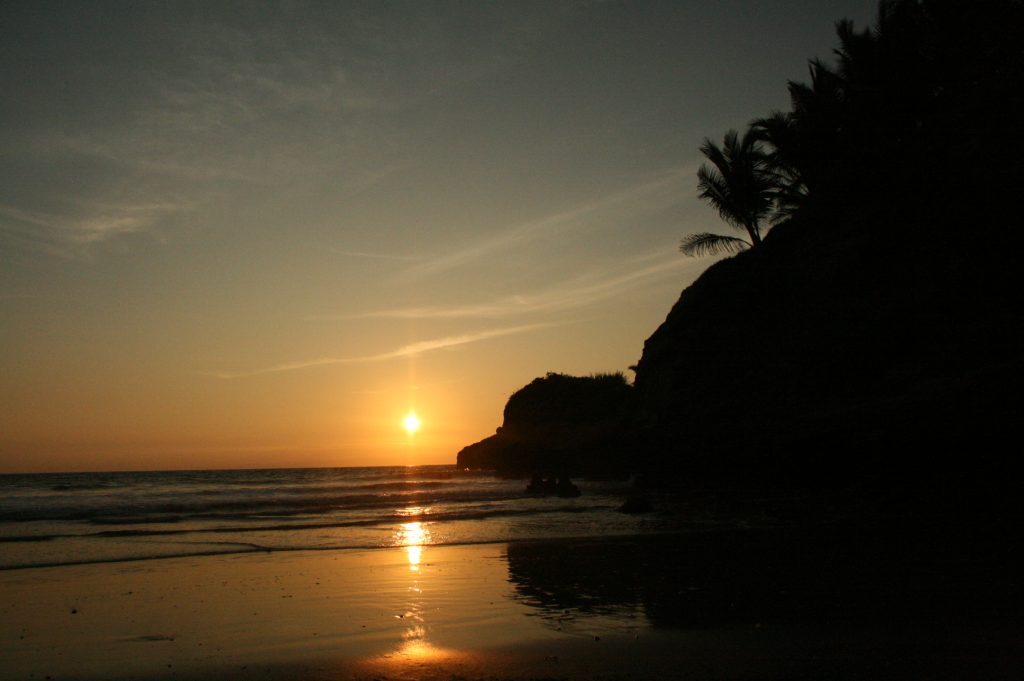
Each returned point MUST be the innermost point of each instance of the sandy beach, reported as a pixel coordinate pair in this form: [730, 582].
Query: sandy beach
[645, 609]
[413, 612]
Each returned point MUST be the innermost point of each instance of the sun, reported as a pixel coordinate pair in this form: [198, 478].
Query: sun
[411, 423]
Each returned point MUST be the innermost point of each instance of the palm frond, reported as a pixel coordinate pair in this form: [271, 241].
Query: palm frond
[788, 199]
[706, 243]
[739, 181]
[713, 187]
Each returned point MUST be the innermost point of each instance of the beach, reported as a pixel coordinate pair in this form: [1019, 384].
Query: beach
[415, 612]
[720, 605]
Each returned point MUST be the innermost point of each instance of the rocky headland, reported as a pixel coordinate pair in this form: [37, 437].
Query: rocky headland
[561, 425]
[875, 335]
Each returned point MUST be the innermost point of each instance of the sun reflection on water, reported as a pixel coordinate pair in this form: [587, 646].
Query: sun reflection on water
[423, 652]
[413, 536]
[414, 553]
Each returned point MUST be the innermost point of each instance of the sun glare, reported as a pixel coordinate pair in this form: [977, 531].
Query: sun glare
[411, 423]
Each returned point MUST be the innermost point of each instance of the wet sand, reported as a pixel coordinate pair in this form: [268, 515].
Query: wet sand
[748, 605]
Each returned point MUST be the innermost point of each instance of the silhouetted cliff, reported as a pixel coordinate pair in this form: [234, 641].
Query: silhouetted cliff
[876, 335]
[560, 424]
[823, 356]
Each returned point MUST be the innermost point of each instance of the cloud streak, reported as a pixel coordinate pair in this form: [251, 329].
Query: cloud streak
[566, 295]
[555, 223]
[20, 296]
[82, 230]
[410, 350]
[375, 256]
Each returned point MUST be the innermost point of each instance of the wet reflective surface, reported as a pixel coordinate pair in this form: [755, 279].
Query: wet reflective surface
[745, 604]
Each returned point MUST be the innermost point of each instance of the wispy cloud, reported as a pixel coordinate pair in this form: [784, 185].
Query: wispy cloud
[410, 350]
[375, 256]
[221, 109]
[143, 151]
[85, 229]
[20, 296]
[559, 222]
[578, 292]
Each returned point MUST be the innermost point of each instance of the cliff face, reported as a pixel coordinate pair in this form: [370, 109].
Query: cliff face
[559, 424]
[846, 349]
[865, 344]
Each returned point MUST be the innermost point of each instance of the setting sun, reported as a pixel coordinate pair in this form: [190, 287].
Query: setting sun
[411, 423]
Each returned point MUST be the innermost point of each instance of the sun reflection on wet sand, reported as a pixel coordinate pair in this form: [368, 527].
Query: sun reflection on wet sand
[413, 536]
[366, 615]
[414, 553]
[414, 647]
[419, 651]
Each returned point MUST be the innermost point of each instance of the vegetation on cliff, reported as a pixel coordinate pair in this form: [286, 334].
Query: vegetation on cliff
[741, 185]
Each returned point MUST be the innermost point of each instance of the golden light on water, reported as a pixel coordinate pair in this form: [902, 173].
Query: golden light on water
[422, 652]
[414, 553]
[412, 536]
[411, 423]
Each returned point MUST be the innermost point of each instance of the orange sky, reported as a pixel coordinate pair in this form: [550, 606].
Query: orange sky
[258, 238]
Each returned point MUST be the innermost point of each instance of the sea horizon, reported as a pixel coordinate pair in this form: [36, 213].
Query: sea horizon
[114, 471]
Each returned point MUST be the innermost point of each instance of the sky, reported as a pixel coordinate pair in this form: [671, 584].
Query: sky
[246, 235]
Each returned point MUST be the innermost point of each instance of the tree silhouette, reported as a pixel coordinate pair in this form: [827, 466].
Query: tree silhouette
[741, 186]
[905, 102]
[803, 143]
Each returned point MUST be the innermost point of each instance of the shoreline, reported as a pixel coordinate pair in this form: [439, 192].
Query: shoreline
[727, 605]
[329, 549]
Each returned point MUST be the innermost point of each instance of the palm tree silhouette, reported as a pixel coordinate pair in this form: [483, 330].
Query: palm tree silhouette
[741, 186]
[803, 143]
[855, 125]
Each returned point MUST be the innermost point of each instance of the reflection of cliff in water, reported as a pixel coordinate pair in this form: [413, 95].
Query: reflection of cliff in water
[692, 580]
[826, 574]
[649, 576]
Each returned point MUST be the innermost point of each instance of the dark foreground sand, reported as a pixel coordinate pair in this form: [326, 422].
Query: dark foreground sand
[836, 602]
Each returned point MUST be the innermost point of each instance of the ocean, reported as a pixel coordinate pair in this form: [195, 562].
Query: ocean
[73, 518]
